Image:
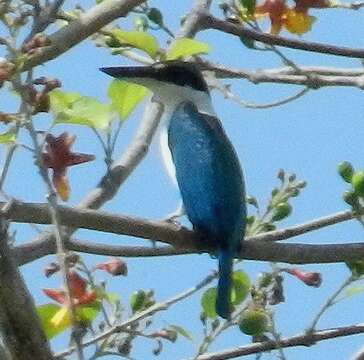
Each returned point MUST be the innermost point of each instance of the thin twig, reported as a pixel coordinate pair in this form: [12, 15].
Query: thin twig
[61, 249]
[228, 94]
[328, 303]
[293, 341]
[9, 156]
[211, 22]
[90, 22]
[276, 336]
[320, 76]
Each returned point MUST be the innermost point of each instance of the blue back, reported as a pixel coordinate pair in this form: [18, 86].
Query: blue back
[208, 175]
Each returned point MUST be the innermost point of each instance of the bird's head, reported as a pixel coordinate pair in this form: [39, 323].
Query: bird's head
[168, 81]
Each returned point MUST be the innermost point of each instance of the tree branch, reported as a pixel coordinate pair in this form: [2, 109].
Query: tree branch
[259, 247]
[78, 30]
[192, 22]
[297, 340]
[21, 330]
[316, 77]
[210, 22]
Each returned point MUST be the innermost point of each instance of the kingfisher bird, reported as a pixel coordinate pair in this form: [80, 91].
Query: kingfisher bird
[200, 157]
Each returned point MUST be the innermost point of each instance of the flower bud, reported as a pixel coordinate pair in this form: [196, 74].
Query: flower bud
[114, 267]
[281, 211]
[358, 182]
[51, 269]
[350, 198]
[309, 278]
[155, 16]
[346, 171]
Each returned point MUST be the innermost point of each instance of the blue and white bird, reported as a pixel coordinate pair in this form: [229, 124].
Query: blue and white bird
[199, 155]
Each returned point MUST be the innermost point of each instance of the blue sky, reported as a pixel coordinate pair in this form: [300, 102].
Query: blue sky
[309, 137]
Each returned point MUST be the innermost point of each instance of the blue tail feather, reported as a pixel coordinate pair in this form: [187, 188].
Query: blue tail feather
[224, 283]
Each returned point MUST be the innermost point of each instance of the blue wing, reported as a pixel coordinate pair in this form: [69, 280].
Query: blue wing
[210, 180]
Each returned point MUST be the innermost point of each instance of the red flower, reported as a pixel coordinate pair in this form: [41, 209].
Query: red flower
[114, 267]
[295, 19]
[58, 156]
[275, 9]
[309, 278]
[78, 289]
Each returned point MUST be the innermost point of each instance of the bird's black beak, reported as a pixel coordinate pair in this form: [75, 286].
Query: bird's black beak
[130, 72]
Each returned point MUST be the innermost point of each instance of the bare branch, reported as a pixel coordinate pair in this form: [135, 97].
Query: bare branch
[316, 224]
[78, 30]
[210, 22]
[226, 91]
[192, 22]
[319, 77]
[259, 247]
[44, 17]
[297, 340]
[38, 213]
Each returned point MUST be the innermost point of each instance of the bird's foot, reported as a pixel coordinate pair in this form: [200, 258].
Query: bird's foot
[175, 215]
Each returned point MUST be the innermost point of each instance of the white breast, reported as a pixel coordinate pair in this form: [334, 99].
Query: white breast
[170, 96]
[166, 153]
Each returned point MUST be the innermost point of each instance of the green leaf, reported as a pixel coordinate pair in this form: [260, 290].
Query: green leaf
[208, 301]
[186, 47]
[46, 312]
[139, 40]
[7, 137]
[125, 96]
[88, 312]
[356, 267]
[240, 287]
[60, 101]
[72, 108]
[180, 330]
[137, 300]
[249, 5]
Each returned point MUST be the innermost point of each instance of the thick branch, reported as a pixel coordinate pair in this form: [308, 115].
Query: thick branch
[21, 330]
[259, 247]
[211, 22]
[298, 340]
[78, 30]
